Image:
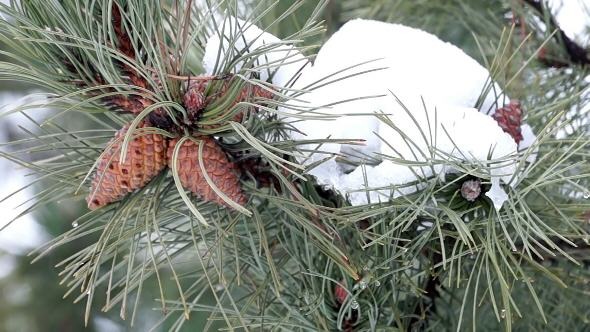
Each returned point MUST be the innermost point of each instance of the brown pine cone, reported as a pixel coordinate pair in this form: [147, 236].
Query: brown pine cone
[248, 94]
[146, 157]
[222, 172]
[195, 99]
[132, 103]
[509, 118]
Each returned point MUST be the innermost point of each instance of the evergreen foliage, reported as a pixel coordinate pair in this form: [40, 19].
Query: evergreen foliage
[280, 261]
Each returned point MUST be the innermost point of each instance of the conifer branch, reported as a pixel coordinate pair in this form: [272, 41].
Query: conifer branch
[276, 241]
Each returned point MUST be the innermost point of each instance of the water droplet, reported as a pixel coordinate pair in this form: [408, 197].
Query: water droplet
[586, 194]
[75, 224]
[219, 287]
[404, 249]
[513, 249]
[363, 285]
[88, 292]
[377, 283]
[503, 313]
[354, 305]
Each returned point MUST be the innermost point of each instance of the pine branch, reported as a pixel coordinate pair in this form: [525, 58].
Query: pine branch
[274, 269]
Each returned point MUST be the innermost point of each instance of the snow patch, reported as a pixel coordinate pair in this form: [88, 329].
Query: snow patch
[573, 17]
[414, 61]
[411, 100]
[404, 108]
[277, 61]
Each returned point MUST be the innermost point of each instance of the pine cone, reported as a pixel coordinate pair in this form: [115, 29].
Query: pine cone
[263, 176]
[340, 294]
[132, 103]
[195, 99]
[248, 94]
[509, 118]
[220, 170]
[146, 157]
[471, 189]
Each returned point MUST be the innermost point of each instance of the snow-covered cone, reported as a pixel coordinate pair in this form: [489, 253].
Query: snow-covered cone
[145, 158]
[222, 172]
[509, 118]
[471, 189]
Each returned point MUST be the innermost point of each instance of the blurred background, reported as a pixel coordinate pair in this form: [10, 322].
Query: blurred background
[31, 298]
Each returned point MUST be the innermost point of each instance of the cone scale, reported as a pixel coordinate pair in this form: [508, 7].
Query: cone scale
[114, 179]
[222, 172]
[509, 118]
